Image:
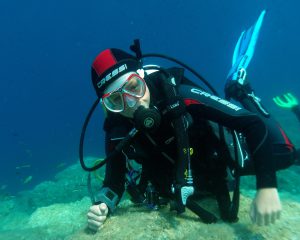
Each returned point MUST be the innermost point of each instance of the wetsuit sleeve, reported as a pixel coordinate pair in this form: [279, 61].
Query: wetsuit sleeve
[234, 117]
[115, 168]
[283, 150]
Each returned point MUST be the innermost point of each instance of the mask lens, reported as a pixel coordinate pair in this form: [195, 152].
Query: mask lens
[135, 86]
[114, 102]
[133, 89]
[131, 101]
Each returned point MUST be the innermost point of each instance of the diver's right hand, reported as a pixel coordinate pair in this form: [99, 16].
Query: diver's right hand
[97, 216]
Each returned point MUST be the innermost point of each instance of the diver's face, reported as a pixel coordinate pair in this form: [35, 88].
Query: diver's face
[126, 94]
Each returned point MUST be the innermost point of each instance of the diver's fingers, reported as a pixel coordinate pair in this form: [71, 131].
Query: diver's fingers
[259, 219]
[103, 208]
[95, 210]
[273, 217]
[92, 216]
[267, 218]
[94, 225]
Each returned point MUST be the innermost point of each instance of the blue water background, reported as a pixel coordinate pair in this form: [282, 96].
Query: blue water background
[47, 47]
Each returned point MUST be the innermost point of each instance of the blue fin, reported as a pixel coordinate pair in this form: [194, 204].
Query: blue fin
[245, 46]
[237, 48]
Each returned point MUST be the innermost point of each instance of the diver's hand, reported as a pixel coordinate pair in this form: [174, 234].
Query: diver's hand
[97, 216]
[266, 207]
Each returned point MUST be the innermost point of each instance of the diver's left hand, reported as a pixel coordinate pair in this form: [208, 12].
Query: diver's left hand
[266, 207]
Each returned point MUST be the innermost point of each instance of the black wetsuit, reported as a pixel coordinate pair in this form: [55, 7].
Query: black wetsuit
[296, 111]
[269, 147]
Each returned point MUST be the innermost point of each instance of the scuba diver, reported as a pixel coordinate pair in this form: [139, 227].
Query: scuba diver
[164, 121]
[290, 102]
